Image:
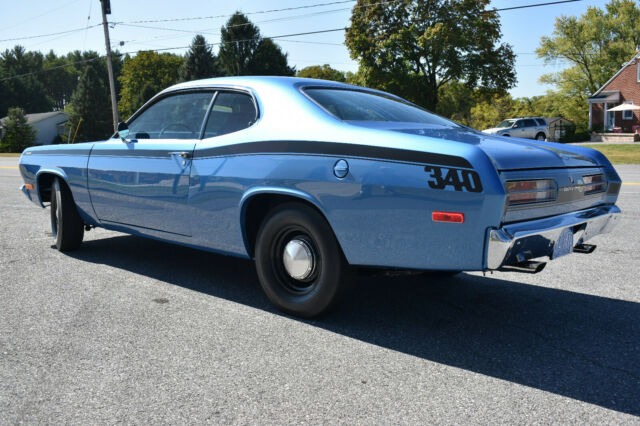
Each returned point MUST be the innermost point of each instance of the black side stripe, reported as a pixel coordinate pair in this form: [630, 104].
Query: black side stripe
[55, 151]
[283, 147]
[336, 149]
[147, 153]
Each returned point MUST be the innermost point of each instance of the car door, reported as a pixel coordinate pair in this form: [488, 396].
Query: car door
[525, 128]
[143, 181]
[517, 131]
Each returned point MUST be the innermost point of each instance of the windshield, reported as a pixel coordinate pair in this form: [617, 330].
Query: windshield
[354, 105]
[506, 123]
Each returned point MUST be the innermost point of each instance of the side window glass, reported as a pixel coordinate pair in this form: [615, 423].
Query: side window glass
[231, 112]
[174, 117]
[529, 123]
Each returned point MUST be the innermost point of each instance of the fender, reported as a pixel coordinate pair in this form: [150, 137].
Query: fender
[275, 190]
[53, 171]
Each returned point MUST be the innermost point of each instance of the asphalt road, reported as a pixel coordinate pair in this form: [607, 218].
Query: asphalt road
[136, 331]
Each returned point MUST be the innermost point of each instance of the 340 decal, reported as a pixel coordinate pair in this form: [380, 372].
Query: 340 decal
[459, 179]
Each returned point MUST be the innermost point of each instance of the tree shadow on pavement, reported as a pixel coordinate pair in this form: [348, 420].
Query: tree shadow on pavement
[576, 345]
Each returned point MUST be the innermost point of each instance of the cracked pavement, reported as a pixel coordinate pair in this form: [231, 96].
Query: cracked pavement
[133, 330]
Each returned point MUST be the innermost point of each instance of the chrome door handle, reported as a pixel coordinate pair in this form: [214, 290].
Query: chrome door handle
[184, 154]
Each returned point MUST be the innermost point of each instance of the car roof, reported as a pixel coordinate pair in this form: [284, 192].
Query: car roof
[272, 82]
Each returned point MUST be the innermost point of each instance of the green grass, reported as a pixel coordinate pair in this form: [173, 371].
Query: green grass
[8, 154]
[619, 154]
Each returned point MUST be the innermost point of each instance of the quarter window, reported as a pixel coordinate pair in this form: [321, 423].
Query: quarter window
[627, 115]
[178, 116]
[231, 112]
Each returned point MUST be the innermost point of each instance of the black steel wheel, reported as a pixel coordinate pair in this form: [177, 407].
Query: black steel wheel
[299, 262]
[67, 226]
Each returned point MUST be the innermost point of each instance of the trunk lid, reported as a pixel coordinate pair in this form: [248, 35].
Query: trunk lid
[507, 153]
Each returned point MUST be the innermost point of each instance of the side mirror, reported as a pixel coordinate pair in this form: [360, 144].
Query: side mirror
[515, 126]
[123, 131]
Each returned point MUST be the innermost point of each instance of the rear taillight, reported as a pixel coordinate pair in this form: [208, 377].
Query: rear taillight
[594, 184]
[531, 191]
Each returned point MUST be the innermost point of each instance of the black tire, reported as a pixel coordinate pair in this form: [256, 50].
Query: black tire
[66, 224]
[506, 136]
[328, 278]
[540, 136]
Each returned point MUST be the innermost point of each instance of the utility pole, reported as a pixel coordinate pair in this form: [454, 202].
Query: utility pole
[106, 10]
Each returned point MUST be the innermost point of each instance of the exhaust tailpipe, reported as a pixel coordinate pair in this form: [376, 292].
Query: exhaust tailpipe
[584, 248]
[529, 267]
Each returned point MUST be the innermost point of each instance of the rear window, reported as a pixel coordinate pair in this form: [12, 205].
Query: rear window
[354, 105]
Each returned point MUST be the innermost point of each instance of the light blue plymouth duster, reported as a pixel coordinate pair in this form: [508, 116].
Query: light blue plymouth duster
[310, 177]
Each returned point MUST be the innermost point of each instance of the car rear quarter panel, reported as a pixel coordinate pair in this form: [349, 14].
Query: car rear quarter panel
[380, 212]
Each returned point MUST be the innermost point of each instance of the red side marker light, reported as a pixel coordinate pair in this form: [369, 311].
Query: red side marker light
[29, 187]
[447, 217]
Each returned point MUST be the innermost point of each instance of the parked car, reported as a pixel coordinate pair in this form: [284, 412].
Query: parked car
[312, 177]
[526, 128]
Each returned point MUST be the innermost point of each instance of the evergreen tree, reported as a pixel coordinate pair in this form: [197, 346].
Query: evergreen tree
[200, 61]
[25, 91]
[269, 59]
[239, 41]
[18, 134]
[90, 109]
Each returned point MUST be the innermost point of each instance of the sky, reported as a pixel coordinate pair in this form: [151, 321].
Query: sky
[521, 28]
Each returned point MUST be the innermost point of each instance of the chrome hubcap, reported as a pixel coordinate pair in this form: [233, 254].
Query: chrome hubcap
[299, 259]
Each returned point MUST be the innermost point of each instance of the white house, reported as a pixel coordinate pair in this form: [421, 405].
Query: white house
[48, 125]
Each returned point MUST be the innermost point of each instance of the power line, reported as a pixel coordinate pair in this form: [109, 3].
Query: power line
[129, 23]
[52, 68]
[240, 41]
[38, 16]
[525, 6]
[51, 34]
[194, 18]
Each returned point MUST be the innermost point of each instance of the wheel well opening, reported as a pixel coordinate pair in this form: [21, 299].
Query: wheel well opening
[45, 181]
[258, 209]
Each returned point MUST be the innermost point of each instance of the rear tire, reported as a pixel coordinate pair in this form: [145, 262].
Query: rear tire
[317, 282]
[67, 226]
[540, 137]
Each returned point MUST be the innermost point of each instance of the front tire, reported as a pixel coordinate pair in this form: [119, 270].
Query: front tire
[299, 262]
[67, 226]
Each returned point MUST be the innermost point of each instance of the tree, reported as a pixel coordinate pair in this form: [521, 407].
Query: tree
[200, 61]
[414, 47]
[269, 59]
[90, 109]
[239, 41]
[455, 101]
[596, 45]
[147, 70]
[22, 87]
[244, 52]
[18, 133]
[322, 72]
[59, 79]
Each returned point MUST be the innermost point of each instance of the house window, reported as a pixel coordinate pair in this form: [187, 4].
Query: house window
[627, 115]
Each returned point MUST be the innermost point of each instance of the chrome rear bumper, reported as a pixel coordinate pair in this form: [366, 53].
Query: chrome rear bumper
[518, 242]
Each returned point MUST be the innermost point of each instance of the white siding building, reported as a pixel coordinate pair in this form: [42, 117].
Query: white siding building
[47, 124]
